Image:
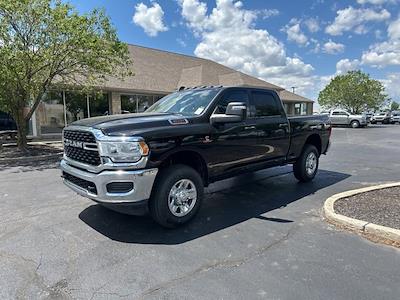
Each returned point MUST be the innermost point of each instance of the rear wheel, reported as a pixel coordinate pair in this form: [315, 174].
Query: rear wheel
[306, 166]
[177, 196]
[355, 124]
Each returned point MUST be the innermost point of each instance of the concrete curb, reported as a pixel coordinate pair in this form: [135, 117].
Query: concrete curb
[360, 225]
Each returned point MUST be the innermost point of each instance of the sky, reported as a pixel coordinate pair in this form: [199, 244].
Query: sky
[301, 44]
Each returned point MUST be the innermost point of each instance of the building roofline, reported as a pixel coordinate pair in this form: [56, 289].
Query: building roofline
[279, 88]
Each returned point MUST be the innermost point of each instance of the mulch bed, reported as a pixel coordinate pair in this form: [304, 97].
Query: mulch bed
[33, 151]
[381, 207]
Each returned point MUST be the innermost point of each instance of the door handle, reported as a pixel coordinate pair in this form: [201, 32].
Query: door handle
[283, 125]
[250, 127]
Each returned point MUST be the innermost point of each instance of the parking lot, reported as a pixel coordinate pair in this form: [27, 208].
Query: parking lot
[258, 236]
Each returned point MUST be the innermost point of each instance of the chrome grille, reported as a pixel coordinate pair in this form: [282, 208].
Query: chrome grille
[90, 157]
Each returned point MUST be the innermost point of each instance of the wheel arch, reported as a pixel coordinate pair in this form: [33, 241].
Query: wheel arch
[190, 158]
[315, 140]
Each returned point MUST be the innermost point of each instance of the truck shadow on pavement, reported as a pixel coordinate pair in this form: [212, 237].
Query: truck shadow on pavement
[226, 203]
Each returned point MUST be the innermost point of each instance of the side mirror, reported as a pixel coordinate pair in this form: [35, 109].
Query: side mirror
[235, 112]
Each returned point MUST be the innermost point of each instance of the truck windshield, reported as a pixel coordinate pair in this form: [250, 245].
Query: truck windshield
[189, 103]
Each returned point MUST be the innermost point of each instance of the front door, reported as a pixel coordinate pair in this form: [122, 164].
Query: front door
[234, 145]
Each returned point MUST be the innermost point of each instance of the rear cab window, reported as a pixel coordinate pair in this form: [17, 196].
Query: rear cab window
[263, 104]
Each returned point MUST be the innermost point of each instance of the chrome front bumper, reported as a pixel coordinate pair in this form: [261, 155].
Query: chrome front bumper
[142, 180]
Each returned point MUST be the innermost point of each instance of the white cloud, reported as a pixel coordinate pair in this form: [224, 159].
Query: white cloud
[376, 2]
[385, 53]
[294, 32]
[394, 30]
[228, 36]
[312, 25]
[181, 42]
[378, 34]
[150, 18]
[345, 65]
[333, 48]
[354, 19]
[268, 13]
[392, 83]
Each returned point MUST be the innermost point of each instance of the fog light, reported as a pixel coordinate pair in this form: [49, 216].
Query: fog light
[119, 187]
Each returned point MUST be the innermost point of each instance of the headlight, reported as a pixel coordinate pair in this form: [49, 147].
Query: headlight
[123, 152]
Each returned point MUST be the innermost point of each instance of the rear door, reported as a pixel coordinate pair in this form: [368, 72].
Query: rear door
[267, 117]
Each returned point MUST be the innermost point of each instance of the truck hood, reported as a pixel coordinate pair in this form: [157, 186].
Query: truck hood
[129, 123]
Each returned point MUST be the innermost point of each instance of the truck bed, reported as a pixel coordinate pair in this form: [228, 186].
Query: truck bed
[302, 127]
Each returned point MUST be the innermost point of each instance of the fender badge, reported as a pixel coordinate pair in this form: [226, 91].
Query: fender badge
[178, 121]
[207, 139]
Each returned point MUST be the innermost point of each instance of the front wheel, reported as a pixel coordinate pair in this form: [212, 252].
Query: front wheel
[177, 196]
[306, 166]
[355, 124]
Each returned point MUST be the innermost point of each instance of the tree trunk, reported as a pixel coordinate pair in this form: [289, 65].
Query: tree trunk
[22, 141]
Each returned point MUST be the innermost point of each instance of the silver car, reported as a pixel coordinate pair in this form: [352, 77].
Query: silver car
[381, 117]
[395, 117]
[342, 117]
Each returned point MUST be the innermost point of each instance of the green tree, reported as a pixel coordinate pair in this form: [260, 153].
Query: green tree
[394, 106]
[354, 91]
[46, 44]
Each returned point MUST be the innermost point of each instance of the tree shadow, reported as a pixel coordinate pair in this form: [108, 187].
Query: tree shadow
[29, 166]
[244, 199]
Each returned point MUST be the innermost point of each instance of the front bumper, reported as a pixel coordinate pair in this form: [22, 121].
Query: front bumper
[142, 180]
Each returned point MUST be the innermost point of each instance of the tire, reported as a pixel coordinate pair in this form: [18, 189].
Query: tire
[301, 169]
[163, 198]
[355, 124]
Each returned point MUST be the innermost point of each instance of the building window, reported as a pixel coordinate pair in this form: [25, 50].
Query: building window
[300, 109]
[304, 109]
[297, 109]
[51, 114]
[77, 107]
[98, 105]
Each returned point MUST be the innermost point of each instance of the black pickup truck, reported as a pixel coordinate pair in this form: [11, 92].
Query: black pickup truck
[160, 161]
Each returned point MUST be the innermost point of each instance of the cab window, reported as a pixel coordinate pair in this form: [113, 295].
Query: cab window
[231, 96]
[263, 104]
[339, 113]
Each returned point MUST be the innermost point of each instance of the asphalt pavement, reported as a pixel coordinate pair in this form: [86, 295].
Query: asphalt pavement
[257, 236]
